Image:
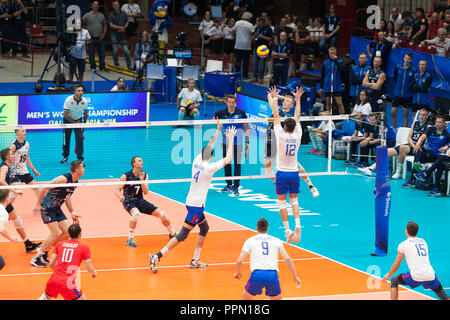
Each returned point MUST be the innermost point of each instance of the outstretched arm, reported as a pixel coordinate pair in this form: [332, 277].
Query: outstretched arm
[394, 267]
[298, 97]
[272, 98]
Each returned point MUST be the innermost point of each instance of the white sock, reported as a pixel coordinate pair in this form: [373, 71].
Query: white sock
[197, 253]
[400, 167]
[131, 233]
[286, 225]
[373, 167]
[43, 297]
[164, 250]
[297, 222]
[39, 253]
[171, 230]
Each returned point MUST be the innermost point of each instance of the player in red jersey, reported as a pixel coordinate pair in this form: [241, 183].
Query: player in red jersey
[70, 254]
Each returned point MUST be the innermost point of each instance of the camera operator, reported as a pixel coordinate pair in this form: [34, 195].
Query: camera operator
[77, 53]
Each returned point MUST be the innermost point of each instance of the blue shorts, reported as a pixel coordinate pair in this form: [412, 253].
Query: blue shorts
[260, 279]
[194, 215]
[287, 182]
[50, 215]
[408, 280]
[141, 204]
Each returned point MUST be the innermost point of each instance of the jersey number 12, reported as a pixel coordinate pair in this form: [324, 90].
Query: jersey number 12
[290, 150]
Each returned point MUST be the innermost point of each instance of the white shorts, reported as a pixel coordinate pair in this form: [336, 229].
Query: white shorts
[4, 216]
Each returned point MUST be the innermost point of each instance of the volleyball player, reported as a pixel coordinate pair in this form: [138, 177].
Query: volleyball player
[48, 204]
[5, 179]
[202, 172]
[134, 202]
[270, 151]
[421, 273]
[19, 171]
[65, 261]
[264, 250]
[287, 179]
[4, 216]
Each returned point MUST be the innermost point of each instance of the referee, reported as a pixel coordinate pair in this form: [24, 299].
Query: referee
[75, 111]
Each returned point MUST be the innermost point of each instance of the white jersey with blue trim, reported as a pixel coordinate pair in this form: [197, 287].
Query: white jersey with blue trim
[263, 250]
[19, 167]
[415, 251]
[288, 145]
[202, 172]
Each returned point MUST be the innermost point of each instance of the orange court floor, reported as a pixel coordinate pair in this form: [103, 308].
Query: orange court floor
[124, 273]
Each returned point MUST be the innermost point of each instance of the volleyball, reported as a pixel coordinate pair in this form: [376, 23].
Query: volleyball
[262, 51]
[189, 104]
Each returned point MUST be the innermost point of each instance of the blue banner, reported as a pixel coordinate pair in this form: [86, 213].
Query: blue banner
[102, 107]
[382, 202]
[254, 108]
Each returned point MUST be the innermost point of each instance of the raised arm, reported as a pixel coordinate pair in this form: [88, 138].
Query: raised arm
[298, 97]
[272, 98]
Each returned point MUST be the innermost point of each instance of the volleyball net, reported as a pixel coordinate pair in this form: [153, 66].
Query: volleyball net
[167, 148]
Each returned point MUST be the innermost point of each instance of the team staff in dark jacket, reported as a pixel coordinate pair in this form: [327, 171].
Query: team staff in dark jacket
[420, 87]
[356, 76]
[331, 80]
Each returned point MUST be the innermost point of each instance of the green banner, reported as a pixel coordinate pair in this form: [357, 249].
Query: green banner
[8, 110]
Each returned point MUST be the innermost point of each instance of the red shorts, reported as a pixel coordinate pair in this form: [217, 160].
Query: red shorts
[64, 285]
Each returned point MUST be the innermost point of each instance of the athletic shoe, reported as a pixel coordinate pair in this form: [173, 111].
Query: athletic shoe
[289, 236]
[131, 243]
[235, 192]
[420, 176]
[253, 80]
[397, 175]
[228, 188]
[30, 246]
[37, 262]
[409, 184]
[44, 258]
[434, 193]
[349, 162]
[314, 191]
[297, 234]
[153, 261]
[65, 159]
[313, 150]
[361, 165]
[366, 171]
[197, 264]
[172, 236]
[319, 152]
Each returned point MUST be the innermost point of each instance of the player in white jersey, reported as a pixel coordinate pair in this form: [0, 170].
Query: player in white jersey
[202, 172]
[264, 250]
[287, 179]
[4, 215]
[19, 171]
[421, 273]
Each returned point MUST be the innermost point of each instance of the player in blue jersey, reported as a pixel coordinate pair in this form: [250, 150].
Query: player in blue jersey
[134, 202]
[48, 205]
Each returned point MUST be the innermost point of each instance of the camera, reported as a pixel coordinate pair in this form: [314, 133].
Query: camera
[181, 39]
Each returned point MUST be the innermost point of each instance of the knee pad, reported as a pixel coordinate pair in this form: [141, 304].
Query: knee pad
[183, 234]
[282, 204]
[18, 222]
[204, 227]
[294, 201]
[395, 282]
[163, 216]
[135, 215]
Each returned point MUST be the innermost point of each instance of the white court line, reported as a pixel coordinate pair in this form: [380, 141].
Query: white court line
[143, 268]
[338, 295]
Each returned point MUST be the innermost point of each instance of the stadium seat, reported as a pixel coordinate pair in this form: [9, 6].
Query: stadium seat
[401, 138]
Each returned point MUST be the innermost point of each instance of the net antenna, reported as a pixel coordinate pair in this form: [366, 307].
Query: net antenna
[383, 126]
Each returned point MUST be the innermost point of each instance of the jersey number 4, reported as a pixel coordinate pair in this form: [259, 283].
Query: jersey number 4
[196, 176]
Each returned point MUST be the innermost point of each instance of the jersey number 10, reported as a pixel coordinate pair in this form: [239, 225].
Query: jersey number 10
[67, 255]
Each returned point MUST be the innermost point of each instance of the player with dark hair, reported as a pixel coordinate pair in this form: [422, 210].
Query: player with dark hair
[48, 205]
[5, 179]
[287, 178]
[264, 250]
[202, 173]
[65, 261]
[134, 202]
[415, 251]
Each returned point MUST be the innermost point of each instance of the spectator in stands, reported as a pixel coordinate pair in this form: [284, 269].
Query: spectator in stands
[228, 42]
[362, 104]
[391, 35]
[120, 85]
[396, 18]
[133, 11]
[419, 28]
[441, 42]
[434, 25]
[290, 21]
[361, 133]
[331, 80]
[262, 36]
[5, 33]
[420, 88]
[330, 30]
[96, 25]
[429, 147]
[243, 30]
[142, 52]
[204, 26]
[320, 134]
[215, 40]
[447, 22]
[380, 48]
[77, 53]
[403, 75]
[383, 26]
[18, 12]
[357, 74]
[408, 21]
[374, 80]
[302, 43]
[282, 27]
[189, 94]
[439, 7]
[280, 54]
[118, 22]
